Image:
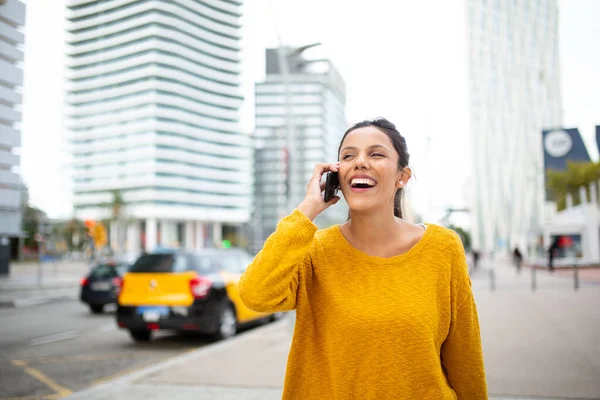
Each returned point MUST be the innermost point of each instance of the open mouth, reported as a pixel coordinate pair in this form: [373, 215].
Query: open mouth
[362, 183]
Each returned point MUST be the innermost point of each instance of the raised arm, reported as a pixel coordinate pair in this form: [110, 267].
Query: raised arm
[271, 282]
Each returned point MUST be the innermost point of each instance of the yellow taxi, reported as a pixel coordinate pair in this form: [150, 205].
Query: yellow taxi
[185, 291]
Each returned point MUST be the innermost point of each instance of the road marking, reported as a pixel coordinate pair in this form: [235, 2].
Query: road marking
[39, 397]
[54, 338]
[78, 357]
[60, 391]
[135, 368]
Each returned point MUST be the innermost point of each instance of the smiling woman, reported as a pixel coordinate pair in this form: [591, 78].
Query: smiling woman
[384, 307]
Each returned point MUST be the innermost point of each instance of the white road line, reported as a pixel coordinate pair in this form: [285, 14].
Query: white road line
[54, 338]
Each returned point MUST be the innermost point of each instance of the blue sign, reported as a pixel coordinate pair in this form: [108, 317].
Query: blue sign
[561, 146]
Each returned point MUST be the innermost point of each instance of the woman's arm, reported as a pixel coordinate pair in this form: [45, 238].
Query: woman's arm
[462, 355]
[271, 282]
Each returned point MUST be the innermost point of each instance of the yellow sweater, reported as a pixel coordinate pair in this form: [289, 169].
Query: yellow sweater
[368, 327]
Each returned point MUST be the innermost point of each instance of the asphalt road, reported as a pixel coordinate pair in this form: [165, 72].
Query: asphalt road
[51, 350]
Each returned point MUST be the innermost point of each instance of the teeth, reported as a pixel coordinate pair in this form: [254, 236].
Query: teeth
[362, 181]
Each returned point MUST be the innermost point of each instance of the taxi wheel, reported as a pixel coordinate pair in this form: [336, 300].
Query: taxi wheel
[141, 336]
[227, 323]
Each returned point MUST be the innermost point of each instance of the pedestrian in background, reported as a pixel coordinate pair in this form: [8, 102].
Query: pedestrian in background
[475, 254]
[517, 259]
[384, 308]
[552, 252]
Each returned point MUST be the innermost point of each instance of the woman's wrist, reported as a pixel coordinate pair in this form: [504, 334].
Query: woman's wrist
[308, 209]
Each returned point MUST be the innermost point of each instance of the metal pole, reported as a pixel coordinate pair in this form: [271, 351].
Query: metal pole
[576, 277]
[282, 54]
[533, 278]
[492, 275]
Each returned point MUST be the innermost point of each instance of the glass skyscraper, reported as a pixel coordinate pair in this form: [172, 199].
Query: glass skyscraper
[154, 99]
[317, 112]
[12, 18]
[514, 92]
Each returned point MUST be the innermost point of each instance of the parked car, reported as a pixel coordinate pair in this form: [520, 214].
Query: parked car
[100, 287]
[185, 291]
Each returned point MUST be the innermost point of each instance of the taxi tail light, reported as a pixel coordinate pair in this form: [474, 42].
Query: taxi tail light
[83, 281]
[118, 283]
[200, 287]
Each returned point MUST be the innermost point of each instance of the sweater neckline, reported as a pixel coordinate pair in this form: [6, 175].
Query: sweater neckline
[359, 254]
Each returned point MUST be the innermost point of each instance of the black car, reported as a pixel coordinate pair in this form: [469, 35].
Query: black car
[102, 284]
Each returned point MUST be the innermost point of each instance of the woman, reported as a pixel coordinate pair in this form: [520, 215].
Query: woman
[384, 307]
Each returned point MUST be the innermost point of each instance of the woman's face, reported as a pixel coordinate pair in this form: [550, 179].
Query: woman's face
[369, 175]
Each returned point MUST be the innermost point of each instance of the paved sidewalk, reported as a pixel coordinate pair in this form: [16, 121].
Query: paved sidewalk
[34, 283]
[542, 344]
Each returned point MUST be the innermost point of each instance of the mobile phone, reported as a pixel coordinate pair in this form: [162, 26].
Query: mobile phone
[332, 184]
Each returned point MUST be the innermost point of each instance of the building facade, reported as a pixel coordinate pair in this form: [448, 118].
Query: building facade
[514, 93]
[154, 98]
[317, 98]
[12, 20]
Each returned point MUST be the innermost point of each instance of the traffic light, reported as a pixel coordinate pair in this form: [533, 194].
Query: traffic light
[99, 235]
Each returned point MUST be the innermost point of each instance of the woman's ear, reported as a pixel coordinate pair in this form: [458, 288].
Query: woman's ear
[405, 175]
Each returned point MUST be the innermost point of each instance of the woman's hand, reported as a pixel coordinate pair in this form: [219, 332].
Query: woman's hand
[313, 204]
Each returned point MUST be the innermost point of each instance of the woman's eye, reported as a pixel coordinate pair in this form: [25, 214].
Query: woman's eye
[377, 155]
[347, 156]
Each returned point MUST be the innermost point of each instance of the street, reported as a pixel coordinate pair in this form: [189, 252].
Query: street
[51, 350]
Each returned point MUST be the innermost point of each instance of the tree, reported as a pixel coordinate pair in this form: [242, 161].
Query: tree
[465, 236]
[117, 218]
[576, 175]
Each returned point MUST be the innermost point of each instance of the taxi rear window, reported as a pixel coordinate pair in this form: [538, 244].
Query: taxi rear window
[160, 263]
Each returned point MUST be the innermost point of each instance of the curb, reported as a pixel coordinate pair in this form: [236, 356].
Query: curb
[180, 359]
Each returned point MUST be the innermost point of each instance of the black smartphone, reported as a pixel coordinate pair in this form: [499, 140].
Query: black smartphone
[332, 184]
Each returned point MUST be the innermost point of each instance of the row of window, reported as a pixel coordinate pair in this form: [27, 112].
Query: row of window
[159, 106]
[133, 42]
[104, 139]
[152, 51]
[163, 189]
[108, 88]
[207, 5]
[171, 203]
[171, 28]
[139, 2]
[87, 167]
[113, 99]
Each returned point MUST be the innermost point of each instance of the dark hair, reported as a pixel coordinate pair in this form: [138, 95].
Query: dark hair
[399, 144]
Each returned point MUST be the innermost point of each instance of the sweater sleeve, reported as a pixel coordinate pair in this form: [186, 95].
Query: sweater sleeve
[270, 283]
[462, 355]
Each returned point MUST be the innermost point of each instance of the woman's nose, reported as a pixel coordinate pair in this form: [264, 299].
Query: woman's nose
[360, 162]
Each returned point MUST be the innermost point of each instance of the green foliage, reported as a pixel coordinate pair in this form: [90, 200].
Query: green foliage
[576, 175]
[32, 216]
[464, 236]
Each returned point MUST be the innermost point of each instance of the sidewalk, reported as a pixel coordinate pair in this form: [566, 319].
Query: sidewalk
[543, 344]
[33, 283]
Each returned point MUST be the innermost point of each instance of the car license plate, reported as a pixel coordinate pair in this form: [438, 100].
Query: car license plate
[100, 286]
[152, 314]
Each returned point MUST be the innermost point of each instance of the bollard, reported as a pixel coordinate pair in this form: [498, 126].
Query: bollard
[492, 275]
[533, 279]
[576, 277]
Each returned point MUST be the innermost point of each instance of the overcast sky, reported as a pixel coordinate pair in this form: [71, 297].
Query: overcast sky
[389, 53]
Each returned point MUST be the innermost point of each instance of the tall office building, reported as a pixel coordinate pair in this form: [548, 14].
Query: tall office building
[155, 95]
[12, 19]
[514, 94]
[317, 97]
